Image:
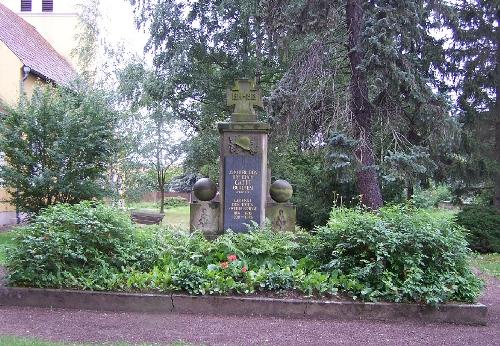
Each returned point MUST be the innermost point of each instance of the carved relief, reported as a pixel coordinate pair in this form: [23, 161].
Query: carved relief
[242, 144]
[244, 95]
[280, 222]
[203, 222]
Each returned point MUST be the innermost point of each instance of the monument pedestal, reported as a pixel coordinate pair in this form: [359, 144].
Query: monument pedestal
[243, 178]
[282, 216]
[204, 216]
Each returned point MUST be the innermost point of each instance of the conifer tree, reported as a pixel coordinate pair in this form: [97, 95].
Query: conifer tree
[475, 52]
[367, 69]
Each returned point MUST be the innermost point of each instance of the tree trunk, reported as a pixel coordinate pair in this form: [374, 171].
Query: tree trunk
[367, 179]
[162, 198]
[496, 198]
[409, 190]
[160, 175]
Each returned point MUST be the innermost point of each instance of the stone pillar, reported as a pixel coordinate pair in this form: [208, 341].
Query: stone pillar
[282, 216]
[204, 216]
[243, 176]
[204, 209]
[280, 212]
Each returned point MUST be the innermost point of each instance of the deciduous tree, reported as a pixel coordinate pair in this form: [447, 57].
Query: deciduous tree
[57, 147]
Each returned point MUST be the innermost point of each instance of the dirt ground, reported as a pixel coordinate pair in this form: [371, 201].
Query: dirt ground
[134, 328]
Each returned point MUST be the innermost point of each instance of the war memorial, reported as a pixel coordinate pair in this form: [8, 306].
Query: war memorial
[245, 195]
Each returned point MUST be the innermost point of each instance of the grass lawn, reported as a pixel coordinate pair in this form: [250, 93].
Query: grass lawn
[151, 206]
[18, 341]
[177, 217]
[488, 263]
[21, 341]
[5, 241]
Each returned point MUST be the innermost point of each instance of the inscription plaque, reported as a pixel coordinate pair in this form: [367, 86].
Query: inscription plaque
[242, 191]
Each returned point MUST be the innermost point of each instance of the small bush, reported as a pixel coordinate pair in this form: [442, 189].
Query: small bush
[483, 223]
[81, 245]
[58, 147]
[399, 254]
[175, 202]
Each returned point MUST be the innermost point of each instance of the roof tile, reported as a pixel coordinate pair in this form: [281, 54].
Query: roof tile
[32, 49]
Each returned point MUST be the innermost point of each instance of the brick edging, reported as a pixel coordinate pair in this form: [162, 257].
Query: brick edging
[475, 314]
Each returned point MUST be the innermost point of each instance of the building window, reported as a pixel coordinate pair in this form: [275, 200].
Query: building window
[47, 5]
[25, 5]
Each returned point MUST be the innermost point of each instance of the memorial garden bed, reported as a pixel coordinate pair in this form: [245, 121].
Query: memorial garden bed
[400, 254]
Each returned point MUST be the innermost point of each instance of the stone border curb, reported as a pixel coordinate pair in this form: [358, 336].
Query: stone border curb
[475, 314]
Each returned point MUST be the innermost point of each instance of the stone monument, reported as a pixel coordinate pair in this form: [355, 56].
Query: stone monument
[243, 152]
[204, 210]
[279, 211]
[244, 180]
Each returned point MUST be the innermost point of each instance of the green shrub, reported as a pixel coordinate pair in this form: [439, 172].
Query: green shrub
[483, 223]
[399, 254]
[175, 202]
[432, 197]
[262, 247]
[58, 147]
[485, 197]
[82, 245]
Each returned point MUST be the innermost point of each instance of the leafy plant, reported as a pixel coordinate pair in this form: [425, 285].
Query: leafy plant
[58, 147]
[175, 202]
[483, 223]
[83, 245]
[399, 254]
[432, 197]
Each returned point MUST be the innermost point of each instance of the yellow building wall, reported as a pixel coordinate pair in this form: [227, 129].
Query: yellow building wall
[58, 29]
[4, 206]
[30, 83]
[10, 75]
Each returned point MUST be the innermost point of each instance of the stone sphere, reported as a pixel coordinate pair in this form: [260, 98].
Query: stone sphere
[205, 189]
[281, 191]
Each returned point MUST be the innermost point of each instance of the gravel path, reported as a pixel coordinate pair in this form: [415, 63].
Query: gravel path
[99, 327]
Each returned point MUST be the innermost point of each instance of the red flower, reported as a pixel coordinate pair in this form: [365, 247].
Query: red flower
[224, 265]
[232, 258]
[244, 269]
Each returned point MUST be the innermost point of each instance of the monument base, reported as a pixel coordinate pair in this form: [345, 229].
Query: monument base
[204, 217]
[283, 216]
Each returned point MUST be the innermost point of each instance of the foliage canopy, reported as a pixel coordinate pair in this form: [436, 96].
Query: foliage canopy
[57, 148]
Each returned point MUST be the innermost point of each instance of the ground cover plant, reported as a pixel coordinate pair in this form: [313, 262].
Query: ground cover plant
[5, 242]
[400, 254]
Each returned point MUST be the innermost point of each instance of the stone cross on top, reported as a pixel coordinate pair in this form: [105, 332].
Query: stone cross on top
[244, 95]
